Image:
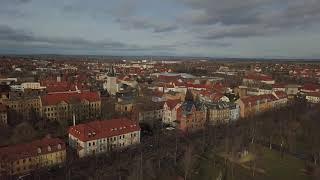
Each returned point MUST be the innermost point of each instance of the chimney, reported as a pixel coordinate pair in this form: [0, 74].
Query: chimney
[59, 78]
[74, 119]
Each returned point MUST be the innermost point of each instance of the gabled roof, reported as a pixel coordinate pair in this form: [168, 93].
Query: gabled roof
[54, 99]
[27, 150]
[172, 103]
[310, 87]
[281, 94]
[103, 129]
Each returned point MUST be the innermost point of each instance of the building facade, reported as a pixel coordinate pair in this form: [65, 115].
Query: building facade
[256, 104]
[103, 136]
[222, 112]
[3, 115]
[191, 117]
[25, 107]
[23, 158]
[63, 106]
[313, 97]
[170, 108]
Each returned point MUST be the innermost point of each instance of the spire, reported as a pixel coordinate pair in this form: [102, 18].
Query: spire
[112, 71]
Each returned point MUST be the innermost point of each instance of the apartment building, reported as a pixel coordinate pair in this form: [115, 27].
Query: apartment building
[191, 116]
[24, 158]
[103, 136]
[62, 106]
[170, 108]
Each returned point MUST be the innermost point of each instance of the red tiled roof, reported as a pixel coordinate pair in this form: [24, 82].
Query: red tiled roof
[103, 129]
[158, 93]
[314, 94]
[279, 85]
[53, 99]
[281, 94]
[258, 77]
[216, 97]
[254, 99]
[198, 86]
[27, 150]
[172, 103]
[63, 86]
[310, 87]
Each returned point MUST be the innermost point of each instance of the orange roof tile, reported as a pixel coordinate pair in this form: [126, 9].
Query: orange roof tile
[27, 150]
[103, 129]
[53, 99]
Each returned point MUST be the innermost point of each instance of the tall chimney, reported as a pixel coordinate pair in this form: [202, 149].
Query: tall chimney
[74, 119]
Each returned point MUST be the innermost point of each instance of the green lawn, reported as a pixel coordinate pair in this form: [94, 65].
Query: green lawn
[270, 162]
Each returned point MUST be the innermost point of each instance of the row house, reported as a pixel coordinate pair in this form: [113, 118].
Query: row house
[24, 158]
[3, 115]
[191, 116]
[313, 97]
[103, 136]
[63, 106]
[222, 112]
[256, 104]
[252, 79]
[170, 108]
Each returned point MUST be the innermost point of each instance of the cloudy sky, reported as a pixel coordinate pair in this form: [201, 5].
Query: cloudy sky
[215, 28]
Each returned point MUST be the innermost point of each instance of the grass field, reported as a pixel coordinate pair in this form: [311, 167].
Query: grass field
[269, 163]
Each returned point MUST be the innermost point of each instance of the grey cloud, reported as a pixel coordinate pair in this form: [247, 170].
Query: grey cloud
[20, 38]
[247, 18]
[254, 12]
[143, 23]
[238, 31]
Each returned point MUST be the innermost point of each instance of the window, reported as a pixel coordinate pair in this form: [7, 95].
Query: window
[89, 144]
[93, 144]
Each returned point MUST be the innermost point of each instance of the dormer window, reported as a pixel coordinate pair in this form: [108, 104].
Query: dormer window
[39, 150]
[59, 146]
[49, 148]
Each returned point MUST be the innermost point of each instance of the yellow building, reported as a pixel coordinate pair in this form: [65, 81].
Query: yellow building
[124, 106]
[252, 105]
[24, 106]
[62, 106]
[23, 158]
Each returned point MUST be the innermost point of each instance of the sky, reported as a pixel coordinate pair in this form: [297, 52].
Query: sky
[206, 28]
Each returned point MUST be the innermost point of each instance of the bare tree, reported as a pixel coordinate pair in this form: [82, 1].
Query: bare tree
[187, 161]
